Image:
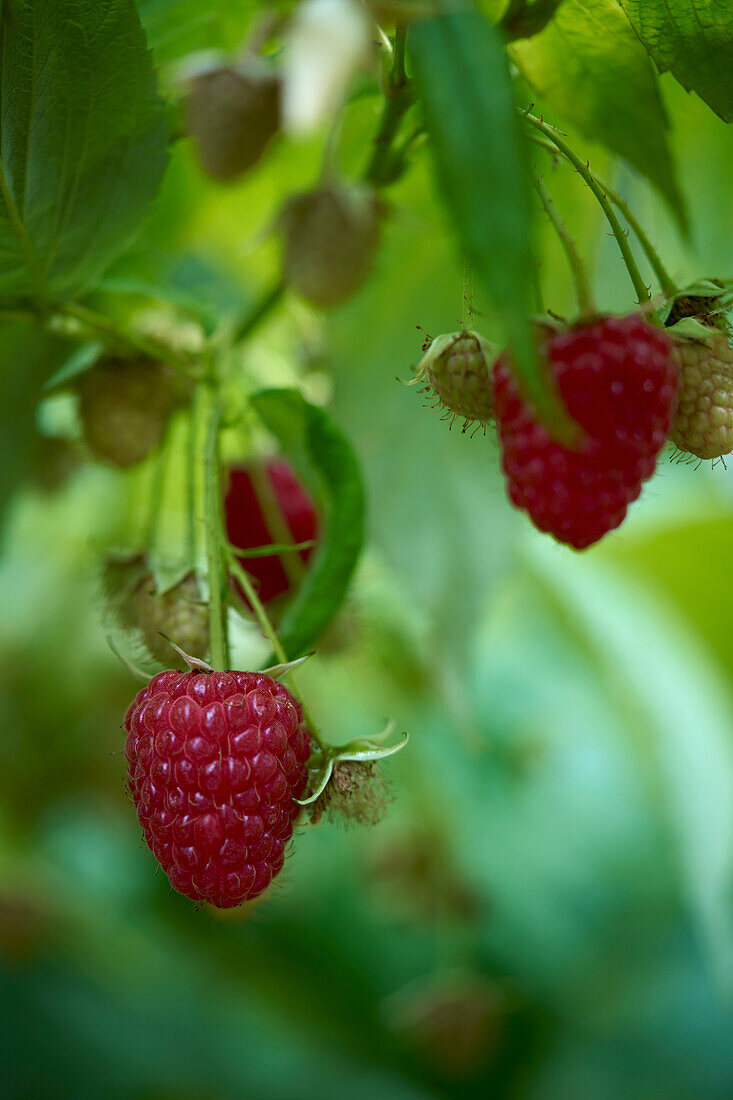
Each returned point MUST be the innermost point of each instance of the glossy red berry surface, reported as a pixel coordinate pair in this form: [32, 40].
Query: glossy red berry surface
[215, 763]
[250, 495]
[619, 382]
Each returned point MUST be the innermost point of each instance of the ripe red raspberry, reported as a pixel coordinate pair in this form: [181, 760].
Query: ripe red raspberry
[266, 504]
[619, 382]
[216, 761]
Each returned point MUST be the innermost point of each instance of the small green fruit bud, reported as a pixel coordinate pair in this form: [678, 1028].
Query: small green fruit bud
[331, 236]
[458, 370]
[178, 613]
[124, 406]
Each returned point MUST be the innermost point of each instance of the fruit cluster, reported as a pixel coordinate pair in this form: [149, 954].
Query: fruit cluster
[628, 386]
[618, 380]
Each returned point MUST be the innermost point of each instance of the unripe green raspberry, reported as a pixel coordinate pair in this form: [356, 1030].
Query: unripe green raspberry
[703, 423]
[233, 112]
[124, 406]
[458, 370]
[179, 612]
[331, 236]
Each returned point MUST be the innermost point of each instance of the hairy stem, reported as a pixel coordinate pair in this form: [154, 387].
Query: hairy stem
[380, 169]
[580, 276]
[642, 291]
[666, 282]
[467, 318]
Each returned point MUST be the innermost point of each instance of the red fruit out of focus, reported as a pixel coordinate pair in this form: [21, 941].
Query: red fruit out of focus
[215, 763]
[265, 505]
[618, 380]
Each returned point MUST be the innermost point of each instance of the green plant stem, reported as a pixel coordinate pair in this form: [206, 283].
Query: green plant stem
[580, 276]
[467, 318]
[397, 100]
[260, 310]
[666, 282]
[642, 291]
[272, 548]
[250, 592]
[218, 640]
[117, 333]
[258, 607]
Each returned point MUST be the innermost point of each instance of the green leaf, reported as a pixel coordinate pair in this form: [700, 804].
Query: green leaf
[328, 466]
[81, 359]
[177, 27]
[82, 142]
[589, 66]
[465, 89]
[693, 41]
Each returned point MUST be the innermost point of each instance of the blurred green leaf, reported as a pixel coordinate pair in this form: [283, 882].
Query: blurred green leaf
[81, 359]
[177, 27]
[83, 142]
[466, 93]
[588, 65]
[693, 41]
[325, 459]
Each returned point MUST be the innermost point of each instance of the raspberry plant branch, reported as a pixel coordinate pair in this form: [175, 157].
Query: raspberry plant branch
[642, 291]
[666, 282]
[241, 574]
[272, 548]
[577, 267]
[120, 335]
[277, 524]
[219, 643]
[467, 318]
[384, 165]
[259, 312]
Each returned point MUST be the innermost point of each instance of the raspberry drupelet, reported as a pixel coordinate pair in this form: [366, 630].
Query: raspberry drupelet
[215, 763]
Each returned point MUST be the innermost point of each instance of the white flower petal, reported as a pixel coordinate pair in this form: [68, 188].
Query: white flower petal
[327, 43]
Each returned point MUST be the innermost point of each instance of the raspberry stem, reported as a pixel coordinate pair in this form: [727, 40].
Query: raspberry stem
[642, 291]
[382, 163]
[120, 334]
[241, 574]
[666, 282]
[218, 640]
[577, 267]
[467, 319]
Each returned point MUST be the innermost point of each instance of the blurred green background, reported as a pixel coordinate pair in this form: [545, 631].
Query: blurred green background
[547, 911]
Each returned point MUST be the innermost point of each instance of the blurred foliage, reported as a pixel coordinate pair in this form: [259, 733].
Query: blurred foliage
[547, 911]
